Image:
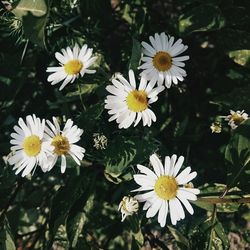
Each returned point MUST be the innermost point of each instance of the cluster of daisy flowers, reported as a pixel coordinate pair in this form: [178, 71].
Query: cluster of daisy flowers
[38, 142]
[128, 102]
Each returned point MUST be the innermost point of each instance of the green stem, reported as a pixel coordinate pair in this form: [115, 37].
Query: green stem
[239, 193]
[214, 200]
[80, 95]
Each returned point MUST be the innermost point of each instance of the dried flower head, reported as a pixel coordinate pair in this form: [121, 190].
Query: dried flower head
[128, 206]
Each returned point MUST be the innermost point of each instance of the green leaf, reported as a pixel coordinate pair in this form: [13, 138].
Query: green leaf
[202, 18]
[179, 237]
[74, 227]
[221, 234]
[217, 189]
[78, 217]
[135, 244]
[91, 115]
[33, 15]
[135, 55]
[6, 238]
[238, 96]
[122, 152]
[241, 57]
[62, 203]
[85, 89]
[237, 155]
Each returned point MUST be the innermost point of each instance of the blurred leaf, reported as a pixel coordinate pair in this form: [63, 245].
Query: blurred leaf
[236, 15]
[135, 245]
[237, 155]
[34, 17]
[62, 203]
[126, 14]
[78, 215]
[6, 238]
[239, 97]
[233, 39]
[91, 115]
[5, 80]
[209, 234]
[219, 230]
[86, 89]
[241, 57]
[202, 18]
[179, 237]
[122, 152]
[135, 55]
[74, 228]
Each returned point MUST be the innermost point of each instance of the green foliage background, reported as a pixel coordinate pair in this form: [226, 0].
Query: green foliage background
[78, 210]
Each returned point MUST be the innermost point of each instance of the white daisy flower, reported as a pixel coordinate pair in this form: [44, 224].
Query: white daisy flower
[236, 118]
[127, 104]
[168, 190]
[64, 143]
[161, 60]
[73, 63]
[29, 147]
[128, 206]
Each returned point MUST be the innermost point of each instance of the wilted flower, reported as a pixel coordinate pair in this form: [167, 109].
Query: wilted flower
[162, 61]
[128, 206]
[216, 127]
[236, 118]
[167, 190]
[100, 141]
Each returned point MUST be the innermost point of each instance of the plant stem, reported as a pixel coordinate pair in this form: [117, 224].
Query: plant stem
[239, 193]
[214, 200]
[80, 95]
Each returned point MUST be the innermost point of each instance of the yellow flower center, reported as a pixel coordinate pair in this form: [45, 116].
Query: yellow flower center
[162, 61]
[61, 145]
[238, 119]
[73, 67]
[32, 145]
[166, 187]
[137, 100]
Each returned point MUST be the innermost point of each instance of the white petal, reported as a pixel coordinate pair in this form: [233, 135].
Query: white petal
[187, 205]
[157, 165]
[152, 211]
[148, 47]
[167, 165]
[144, 180]
[63, 164]
[178, 165]
[147, 171]
[183, 193]
[162, 216]
[66, 81]
[132, 78]
[182, 176]
[60, 58]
